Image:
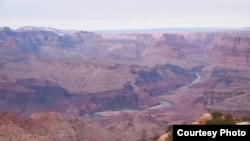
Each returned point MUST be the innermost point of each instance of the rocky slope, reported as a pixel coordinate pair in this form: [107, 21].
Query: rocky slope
[82, 86]
[231, 85]
[29, 96]
[51, 127]
[234, 49]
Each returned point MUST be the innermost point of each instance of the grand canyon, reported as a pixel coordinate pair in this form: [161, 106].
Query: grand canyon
[69, 85]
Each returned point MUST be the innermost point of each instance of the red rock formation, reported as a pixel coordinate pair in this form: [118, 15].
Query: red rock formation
[211, 97]
[29, 96]
[51, 127]
[163, 78]
[233, 49]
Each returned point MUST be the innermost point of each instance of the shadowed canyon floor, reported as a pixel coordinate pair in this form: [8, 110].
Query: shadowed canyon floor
[58, 85]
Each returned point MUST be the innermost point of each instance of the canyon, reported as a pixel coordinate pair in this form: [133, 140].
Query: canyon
[117, 86]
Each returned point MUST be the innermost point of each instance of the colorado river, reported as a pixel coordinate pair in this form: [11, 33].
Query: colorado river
[167, 104]
[196, 80]
[163, 103]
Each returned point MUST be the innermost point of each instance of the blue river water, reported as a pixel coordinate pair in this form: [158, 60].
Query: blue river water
[167, 104]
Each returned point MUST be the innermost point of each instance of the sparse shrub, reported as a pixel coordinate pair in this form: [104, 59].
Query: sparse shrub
[216, 115]
[246, 118]
[213, 122]
[155, 137]
[229, 118]
[170, 138]
[142, 139]
[169, 128]
[186, 122]
[220, 119]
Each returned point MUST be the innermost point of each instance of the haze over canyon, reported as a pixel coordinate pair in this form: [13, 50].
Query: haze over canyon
[69, 85]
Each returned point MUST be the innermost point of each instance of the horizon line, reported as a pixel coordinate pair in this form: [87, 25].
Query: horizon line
[121, 29]
[129, 31]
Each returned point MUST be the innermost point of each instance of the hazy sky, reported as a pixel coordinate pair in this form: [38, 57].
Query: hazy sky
[124, 14]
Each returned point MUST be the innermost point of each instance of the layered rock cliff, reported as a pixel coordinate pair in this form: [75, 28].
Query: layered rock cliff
[51, 127]
[29, 96]
[229, 92]
[233, 49]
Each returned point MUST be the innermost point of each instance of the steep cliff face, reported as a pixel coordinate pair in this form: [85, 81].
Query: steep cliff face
[26, 41]
[230, 86]
[204, 40]
[163, 78]
[104, 101]
[75, 75]
[33, 40]
[185, 45]
[26, 96]
[234, 49]
[231, 47]
[238, 104]
[42, 43]
[29, 96]
[211, 97]
[133, 125]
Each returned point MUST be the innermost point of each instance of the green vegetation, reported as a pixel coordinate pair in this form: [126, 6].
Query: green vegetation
[142, 139]
[246, 118]
[226, 119]
[220, 119]
[170, 138]
[155, 137]
[169, 129]
[216, 115]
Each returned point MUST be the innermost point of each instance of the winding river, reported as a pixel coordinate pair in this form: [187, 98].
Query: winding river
[163, 103]
[167, 104]
[196, 80]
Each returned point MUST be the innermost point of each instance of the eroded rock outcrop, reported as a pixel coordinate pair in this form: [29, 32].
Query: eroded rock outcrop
[211, 97]
[162, 78]
[51, 127]
[234, 49]
[230, 86]
[28, 96]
